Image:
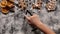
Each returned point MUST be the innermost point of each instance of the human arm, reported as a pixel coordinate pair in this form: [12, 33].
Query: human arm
[35, 21]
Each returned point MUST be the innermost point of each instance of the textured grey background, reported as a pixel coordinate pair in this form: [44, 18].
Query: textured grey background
[14, 23]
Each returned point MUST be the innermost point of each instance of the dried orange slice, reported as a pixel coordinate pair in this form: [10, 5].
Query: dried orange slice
[3, 3]
[5, 11]
[12, 0]
[9, 4]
